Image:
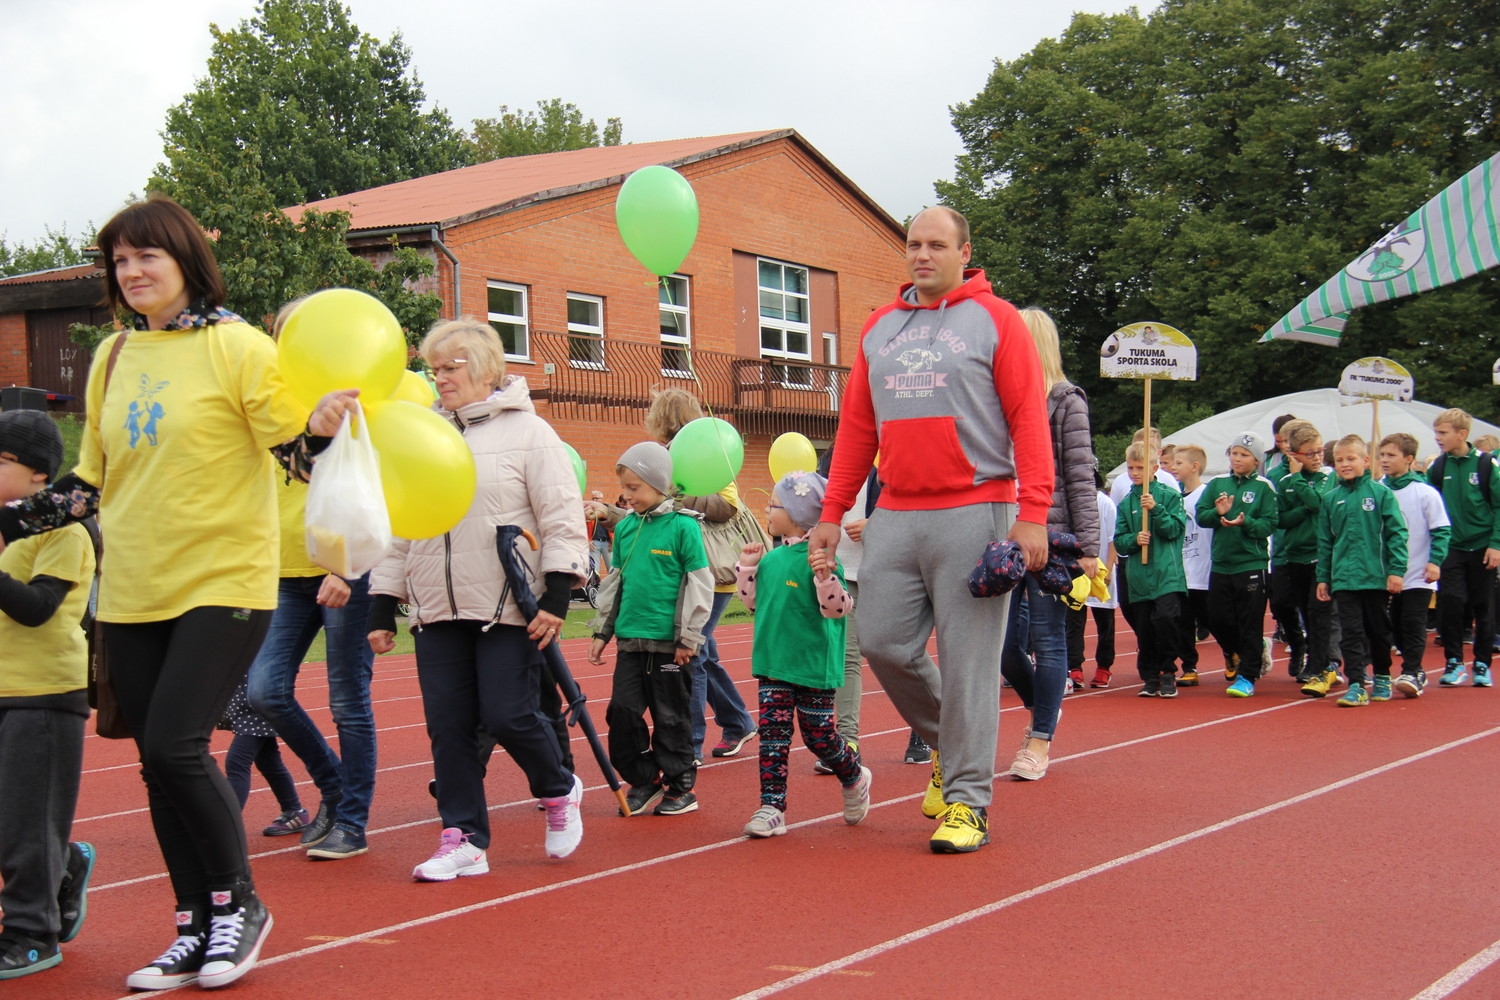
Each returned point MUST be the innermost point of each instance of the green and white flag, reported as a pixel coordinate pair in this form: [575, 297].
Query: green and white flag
[1453, 236]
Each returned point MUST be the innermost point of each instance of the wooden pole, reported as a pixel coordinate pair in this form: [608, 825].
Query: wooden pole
[1150, 473]
[1374, 423]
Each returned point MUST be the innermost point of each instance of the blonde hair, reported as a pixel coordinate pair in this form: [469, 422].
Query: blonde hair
[1140, 435]
[1136, 452]
[1458, 419]
[1300, 433]
[1193, 453]
[472, 340]
[1048, 349]
[284, 313]
[671, 410]
[1352, 441]
[1487, 443]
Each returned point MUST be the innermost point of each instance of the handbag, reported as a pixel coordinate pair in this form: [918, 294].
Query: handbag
[109, 721]
[723, 541]
[347, 523]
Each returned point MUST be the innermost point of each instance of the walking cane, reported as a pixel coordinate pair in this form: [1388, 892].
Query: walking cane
[507, 537]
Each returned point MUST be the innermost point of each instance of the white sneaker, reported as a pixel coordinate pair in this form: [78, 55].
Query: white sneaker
[1265, 657]
[768, 821]
[857, 798]
[454, 857]
[564, 821]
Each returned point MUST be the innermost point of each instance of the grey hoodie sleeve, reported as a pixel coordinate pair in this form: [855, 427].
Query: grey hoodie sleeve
[1074, 506]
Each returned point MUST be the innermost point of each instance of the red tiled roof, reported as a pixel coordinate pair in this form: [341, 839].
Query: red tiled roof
[469, 193]
[56, 274]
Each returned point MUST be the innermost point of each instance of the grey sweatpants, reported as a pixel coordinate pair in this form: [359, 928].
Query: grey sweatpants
[914, 577]
[41, 761]
[846, 699]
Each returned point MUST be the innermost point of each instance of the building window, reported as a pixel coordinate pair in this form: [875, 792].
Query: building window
[508, 316]
[676, 327]
[784, 329]
[585, 331]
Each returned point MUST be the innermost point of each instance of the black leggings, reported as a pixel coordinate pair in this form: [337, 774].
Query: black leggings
[173, 680]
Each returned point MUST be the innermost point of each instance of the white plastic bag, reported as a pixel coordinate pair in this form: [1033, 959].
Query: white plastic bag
[348, 527]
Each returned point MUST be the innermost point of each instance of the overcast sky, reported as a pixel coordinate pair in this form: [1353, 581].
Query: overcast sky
[86, 83]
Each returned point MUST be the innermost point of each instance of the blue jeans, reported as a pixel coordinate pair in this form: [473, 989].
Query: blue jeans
[1039, 623]
[272, 692]
[713, 686]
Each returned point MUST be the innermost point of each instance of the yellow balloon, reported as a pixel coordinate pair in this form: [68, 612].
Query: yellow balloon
[341, 339]
[415, 389]
[792, 452]
[426, 468]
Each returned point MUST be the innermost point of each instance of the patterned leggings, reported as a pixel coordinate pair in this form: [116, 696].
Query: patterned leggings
[814, 710]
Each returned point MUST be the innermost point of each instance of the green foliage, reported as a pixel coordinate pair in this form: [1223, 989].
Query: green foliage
[1211, 164]
[326, 109]
[552, 128]
[72, 435]
[56, 249]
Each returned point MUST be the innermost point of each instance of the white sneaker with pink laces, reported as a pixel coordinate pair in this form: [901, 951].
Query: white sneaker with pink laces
[564, 821]
[455, 857]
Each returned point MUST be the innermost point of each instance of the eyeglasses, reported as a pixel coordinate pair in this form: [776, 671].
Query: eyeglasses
[774, 506]
[450, 368]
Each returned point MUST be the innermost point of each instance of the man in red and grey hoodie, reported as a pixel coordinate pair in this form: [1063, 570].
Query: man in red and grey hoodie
[948, 388]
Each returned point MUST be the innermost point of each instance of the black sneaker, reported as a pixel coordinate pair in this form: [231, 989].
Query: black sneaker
[179, 964]
[21, 955]
[237, 927]
[675, 805]
[1150, 689]
[72, 894]
[322, 824]
[917, 751]
[341, 843]
[640, 798]
[1167, 686]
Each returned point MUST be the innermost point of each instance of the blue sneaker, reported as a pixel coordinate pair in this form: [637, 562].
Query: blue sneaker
[1243, 687]
[1454, 674]
[1356, 697]
[1482, 678]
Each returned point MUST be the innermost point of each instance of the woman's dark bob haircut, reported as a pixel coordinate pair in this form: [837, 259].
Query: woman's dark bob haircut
[162, 223]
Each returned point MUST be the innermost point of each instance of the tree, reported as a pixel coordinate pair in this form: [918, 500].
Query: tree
[326, 109]
[552, 128]
[1211, 164]
[56, 249]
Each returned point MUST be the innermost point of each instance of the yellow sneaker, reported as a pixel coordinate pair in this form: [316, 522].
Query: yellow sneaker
[1320, 684]
[964, 829]
[1232, 668]
[933, 805]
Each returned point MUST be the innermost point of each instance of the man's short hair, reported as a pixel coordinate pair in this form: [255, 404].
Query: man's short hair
[1458, 419]
[1404, 443]
[1193, 453]
[1136, 452]
[956, 217]
[1301, 433]
[1352, 441]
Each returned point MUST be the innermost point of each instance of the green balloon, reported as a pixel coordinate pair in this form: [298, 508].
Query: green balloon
[706, 456]
[580, 468]
[657, 214]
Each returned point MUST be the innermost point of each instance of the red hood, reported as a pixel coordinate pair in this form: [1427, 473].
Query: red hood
[974, 283]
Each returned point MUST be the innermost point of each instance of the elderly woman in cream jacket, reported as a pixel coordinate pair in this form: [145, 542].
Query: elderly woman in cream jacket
[479, 660]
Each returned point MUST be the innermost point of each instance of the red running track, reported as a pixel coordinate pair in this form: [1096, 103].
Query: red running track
[1199, 848]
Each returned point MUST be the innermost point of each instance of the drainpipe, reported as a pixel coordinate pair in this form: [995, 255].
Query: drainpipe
[458, 290]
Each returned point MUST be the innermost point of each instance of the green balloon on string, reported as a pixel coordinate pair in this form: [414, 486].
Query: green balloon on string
[580, 468]
[706, 456]
[657, 214]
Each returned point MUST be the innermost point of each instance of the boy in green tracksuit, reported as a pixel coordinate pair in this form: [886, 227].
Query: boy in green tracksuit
[1242, 509]
[1469, 482]
[656, 604]
[1294, 554]
[1156, 588]
[1361, 561]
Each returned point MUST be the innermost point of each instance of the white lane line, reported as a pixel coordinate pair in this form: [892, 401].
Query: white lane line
[988, 909]
[1461, 975]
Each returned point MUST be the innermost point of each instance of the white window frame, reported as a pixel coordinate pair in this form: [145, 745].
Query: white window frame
[586, 332]
[523, 352]
[672, 342]
[786, 373]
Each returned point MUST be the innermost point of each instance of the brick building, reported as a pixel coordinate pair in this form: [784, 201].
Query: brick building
[759, 323]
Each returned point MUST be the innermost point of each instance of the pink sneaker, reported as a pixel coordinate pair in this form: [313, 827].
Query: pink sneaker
[564, 821]
[455, 857]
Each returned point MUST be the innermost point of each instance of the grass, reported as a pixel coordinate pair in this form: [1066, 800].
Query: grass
[576, 627]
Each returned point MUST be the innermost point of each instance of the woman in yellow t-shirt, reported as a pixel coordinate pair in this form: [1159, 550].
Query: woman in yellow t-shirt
[184, 412]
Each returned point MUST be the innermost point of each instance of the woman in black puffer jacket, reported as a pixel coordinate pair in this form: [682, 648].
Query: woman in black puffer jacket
[1035, 659]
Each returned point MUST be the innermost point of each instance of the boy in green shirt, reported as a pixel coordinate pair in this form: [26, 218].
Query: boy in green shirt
[1469, 482]
[1156, 589]
[655, 603]
[1294, 557]
[1242, 509]
[1361, 561]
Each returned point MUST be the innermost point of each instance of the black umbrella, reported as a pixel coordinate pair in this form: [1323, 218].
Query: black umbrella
[517, 573]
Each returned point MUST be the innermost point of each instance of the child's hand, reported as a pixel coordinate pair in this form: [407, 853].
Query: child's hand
[820, 564]
[1143, 538]
[683, 656]
[596, 651]
[1223, 503]
[1323, 594]
[1394, 583]
[1234, 522]
[1148, 502]
[1432, 573]
[750, 554]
